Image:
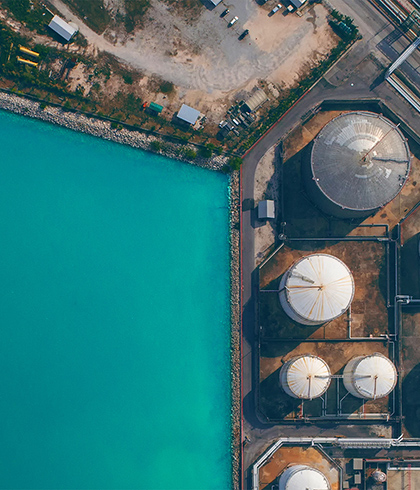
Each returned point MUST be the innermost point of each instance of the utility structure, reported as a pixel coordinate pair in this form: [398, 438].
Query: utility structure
[370, 377]
[317, 289]
[302, 477]
[358, 162]
[305, 377]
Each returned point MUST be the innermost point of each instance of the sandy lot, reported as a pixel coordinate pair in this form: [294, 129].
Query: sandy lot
[205, 59]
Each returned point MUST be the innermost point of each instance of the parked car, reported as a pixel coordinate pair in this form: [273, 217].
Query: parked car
[276, 9]
[244, 34]
[224, 13]
[233, 21]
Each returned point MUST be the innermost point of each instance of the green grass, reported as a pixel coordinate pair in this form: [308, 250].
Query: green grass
[97, 17]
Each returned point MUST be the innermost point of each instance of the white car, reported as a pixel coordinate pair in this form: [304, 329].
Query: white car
[276, 9]
[233, 21]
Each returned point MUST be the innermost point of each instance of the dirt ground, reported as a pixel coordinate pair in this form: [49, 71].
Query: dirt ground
[205, 60]
[286, 456]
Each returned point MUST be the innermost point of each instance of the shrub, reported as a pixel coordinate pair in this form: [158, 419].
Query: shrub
[190, 153]
[155, 145]
[235, 163]
[128, 78]
[166, 87]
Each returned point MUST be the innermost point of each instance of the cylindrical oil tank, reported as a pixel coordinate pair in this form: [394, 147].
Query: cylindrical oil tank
[370, 377]
[316, 289]
[302, 477]
[379, 476]
[305, 377]
[359, 162]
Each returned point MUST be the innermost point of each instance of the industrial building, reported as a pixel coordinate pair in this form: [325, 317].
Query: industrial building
[370, 377]
[316, 289]
[188, 114]
[62, 28]
[358, 163]
[256, 100]
[305, 377]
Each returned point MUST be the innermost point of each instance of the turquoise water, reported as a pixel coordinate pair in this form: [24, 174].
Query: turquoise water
[114, 316]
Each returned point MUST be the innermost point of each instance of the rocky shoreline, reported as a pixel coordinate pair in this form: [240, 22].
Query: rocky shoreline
[101, 128]
[78, 121]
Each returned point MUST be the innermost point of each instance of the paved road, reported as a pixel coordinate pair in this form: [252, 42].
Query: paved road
[355, 77]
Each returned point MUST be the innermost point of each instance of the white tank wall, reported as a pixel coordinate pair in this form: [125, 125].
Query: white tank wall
[302, 477]
[316, 289]
[295, 373]
[290, 312]
[360, 373]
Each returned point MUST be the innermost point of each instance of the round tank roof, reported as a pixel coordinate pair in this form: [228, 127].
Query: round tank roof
[301, 477]
[305, 377]
[371, 377]
[360, 161]
[317, 288]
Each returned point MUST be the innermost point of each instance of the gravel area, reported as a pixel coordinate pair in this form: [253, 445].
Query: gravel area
[136, 139]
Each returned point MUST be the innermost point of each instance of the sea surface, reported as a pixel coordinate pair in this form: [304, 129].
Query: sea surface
[114, 316]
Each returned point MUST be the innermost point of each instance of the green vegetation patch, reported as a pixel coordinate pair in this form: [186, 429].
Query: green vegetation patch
[93, 13]
[135, 11]
[30, 13]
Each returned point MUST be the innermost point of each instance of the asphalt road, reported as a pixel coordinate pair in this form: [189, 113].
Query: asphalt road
[345, 81]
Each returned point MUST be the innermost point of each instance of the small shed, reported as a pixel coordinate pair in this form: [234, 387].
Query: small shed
[266, 210]
[188, 114]
[155, 107]
[297, 3]
[255, 101]
[59, 26]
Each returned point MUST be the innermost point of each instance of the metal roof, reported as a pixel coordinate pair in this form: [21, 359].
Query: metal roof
[266, 210]
[360, 161]
[257, 99]
[188, 114]
[61, 27]
[370, 377]
[297, 3]
[302, 477]
[305, 377]
[316, 289]
[215, 2]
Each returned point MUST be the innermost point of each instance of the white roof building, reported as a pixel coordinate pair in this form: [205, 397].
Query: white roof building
[188, 114]
[215, 2]
[266, 210]
[302, 477]
[305, 376]
[58, 25]
[370, 377]
[316, 289]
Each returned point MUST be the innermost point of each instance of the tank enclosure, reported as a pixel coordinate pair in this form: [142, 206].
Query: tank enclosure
[305, 377]
[370, 377]
[317, 289]
[302, 477]
[358, 162]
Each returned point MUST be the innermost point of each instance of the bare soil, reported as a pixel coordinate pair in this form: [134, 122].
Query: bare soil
[203, 58]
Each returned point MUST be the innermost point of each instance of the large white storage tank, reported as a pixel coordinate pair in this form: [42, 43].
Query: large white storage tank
[302, 477]
[359, 162]
[370, 377]
[305, 377]
[316, 289]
